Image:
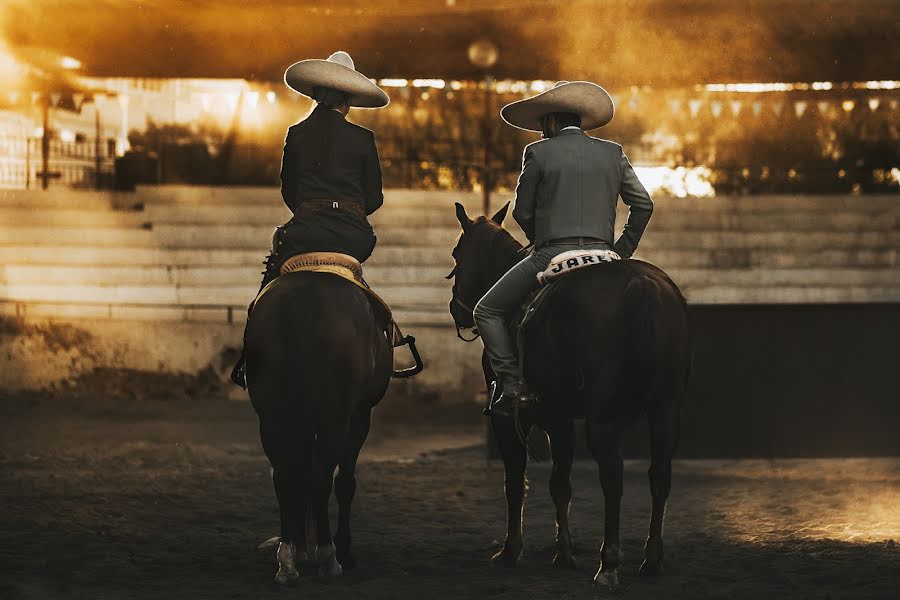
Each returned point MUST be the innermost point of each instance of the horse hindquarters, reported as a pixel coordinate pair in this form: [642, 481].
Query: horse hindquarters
[310, 366]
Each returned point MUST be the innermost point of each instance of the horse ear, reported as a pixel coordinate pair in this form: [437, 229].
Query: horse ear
[464, 219]
[500, 214]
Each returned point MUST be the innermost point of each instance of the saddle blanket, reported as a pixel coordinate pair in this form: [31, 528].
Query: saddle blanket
[574, 260]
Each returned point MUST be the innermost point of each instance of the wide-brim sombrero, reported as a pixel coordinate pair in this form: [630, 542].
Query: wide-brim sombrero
[336, 72]
[588, 100]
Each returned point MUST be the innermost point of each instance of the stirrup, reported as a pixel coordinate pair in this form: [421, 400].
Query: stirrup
[238, 374]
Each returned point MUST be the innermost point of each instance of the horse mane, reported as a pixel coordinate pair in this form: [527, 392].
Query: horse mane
[502, 247]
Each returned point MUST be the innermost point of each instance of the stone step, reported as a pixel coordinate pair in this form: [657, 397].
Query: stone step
[195, 276]
[407, 317]
[69, 218]
[244, 196]
[68, 199]
[388, 276]
[212, 295]
[665, 218]
[416, 256]
[255, 237]
[214, 303]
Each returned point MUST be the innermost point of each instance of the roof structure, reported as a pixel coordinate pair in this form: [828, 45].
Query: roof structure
[617, 43]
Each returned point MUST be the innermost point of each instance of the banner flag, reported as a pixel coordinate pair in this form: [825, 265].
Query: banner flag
[675, 105]
[873, 104]
[736, 106]
[757, 108]
[799, 108]
[777, 108]
[715, 108]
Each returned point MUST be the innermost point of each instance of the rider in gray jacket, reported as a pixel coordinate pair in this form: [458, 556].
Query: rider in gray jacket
[565, 200]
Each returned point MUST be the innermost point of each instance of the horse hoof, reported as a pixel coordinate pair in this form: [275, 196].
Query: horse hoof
[287, 567]
[286, 577]
[505, 559]
[328, 563]
[649, 569]
[609, 579]
[564, 561]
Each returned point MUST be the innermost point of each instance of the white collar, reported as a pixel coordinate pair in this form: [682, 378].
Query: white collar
[570, 127]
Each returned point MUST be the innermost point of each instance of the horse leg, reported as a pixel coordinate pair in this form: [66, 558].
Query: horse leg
[323, 482]
[605, 443]
[562, 444]
[285, 480]
[664, 421]
[345, 487]
[515, 459]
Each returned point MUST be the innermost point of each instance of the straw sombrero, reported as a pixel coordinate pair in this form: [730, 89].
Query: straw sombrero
[338, 73]
[587, 100]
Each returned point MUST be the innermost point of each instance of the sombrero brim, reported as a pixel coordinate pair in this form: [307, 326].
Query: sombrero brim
[588, 100]
[303, 76]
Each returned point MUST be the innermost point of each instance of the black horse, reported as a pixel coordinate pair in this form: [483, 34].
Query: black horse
[318, 360]
[612, 346]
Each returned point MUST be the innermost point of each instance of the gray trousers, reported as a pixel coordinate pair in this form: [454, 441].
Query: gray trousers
[506, 296]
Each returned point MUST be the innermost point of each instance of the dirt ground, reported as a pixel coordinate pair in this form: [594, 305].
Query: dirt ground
[128, 486]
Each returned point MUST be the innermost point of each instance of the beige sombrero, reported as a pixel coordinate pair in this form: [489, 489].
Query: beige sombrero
[338, 73]
[587, 100]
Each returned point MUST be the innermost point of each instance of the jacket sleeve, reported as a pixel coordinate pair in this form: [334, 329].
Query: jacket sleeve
[289, 170]
[640, 207]
[526, 193]
[372, 178]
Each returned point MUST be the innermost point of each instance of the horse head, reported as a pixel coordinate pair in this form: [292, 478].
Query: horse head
[483, 253]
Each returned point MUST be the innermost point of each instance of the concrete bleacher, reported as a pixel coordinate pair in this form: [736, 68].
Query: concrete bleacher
[202, 248]
[193, 254]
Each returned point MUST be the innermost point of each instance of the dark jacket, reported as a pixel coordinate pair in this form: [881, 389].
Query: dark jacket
[328, 158]
[569, 187]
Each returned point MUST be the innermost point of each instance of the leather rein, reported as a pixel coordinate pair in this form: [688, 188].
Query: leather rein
[459, 329]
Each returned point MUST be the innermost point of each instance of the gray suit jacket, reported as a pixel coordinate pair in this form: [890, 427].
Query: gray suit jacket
[569, 187]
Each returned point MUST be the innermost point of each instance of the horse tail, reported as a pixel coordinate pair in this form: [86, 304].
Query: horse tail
[304, 379]
[642, 305]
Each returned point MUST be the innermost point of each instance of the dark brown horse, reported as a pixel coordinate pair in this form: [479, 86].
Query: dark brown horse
[318, 360]
[613, 346]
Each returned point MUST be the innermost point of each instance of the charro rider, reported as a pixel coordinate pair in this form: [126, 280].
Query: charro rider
[565, 200]
[330, 172]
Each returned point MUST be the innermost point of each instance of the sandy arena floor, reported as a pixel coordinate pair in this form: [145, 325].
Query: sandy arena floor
[144, 489]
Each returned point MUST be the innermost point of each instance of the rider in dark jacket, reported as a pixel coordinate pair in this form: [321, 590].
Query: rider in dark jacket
[330, 172]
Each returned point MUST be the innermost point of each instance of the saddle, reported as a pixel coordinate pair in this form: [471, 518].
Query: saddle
[561, 264]
[347, 267]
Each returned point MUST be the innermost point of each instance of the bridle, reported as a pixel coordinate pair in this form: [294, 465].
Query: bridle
[469, 309]
[459, 329]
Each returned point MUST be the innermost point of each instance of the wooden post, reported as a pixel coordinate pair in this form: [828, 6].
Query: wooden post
[45, 144]
[486, 142]
[97, 162]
